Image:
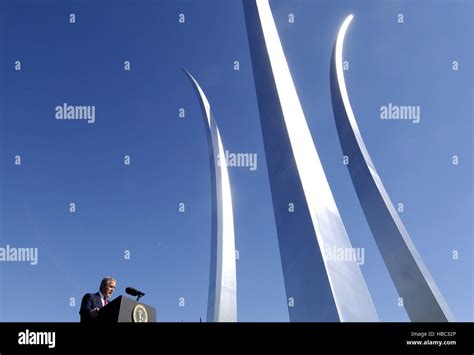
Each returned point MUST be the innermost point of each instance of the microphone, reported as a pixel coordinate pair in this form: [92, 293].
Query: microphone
[134, 292]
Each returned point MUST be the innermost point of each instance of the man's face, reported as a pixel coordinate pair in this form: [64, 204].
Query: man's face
[109, 288]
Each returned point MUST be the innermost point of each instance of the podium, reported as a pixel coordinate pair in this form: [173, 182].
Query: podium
[124, 309]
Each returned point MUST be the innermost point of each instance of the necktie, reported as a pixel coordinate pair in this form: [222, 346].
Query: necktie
[105, 301]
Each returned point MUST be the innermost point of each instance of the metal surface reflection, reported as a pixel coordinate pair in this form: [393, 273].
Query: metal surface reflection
[421, 297]
[222, 302]
[307, 219]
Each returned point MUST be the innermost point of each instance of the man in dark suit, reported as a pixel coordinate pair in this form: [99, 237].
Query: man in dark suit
[93, 302]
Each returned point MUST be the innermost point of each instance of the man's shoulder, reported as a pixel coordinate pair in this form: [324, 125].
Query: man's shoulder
[91, 295]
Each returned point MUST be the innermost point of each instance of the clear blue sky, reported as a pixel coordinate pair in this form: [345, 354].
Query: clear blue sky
[136, 207]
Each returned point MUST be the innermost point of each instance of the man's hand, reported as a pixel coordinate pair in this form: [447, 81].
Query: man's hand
[94, 313]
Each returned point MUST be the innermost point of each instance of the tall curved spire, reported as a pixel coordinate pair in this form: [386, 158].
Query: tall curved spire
[319, 287]
[421, 297]
[222, 299]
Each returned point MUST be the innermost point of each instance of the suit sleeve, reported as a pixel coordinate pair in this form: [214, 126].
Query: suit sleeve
[86, 307]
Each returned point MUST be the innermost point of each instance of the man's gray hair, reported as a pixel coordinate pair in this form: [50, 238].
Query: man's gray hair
[105, 280]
